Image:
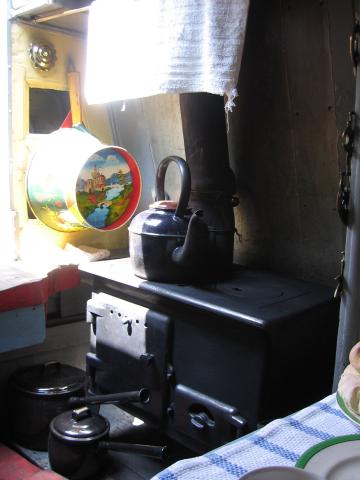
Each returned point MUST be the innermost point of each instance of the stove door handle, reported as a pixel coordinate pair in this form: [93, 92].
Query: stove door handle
[240, 423]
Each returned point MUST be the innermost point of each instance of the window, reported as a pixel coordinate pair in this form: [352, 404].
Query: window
[47, 109]
[7, 251]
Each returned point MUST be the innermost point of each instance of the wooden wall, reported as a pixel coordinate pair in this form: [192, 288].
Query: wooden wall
[150, 128]
[296, 87]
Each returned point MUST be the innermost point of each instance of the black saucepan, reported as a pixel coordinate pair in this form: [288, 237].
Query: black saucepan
[38, 394]
[41, 392]
[79, 440]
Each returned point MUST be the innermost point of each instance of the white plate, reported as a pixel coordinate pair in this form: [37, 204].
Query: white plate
[280, 473]
[334, 459]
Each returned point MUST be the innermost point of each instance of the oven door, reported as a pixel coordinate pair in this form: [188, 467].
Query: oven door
[205, 421]
[131, 349]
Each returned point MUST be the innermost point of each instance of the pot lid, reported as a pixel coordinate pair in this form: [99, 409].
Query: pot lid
[51, 378]
[80, 425]
[164, 205]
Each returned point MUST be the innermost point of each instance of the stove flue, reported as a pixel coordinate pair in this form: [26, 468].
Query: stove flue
[212, 180]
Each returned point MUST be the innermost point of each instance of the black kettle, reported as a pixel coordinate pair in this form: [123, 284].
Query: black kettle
[167, 242]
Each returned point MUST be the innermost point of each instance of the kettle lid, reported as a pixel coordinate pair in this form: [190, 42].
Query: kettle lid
[164, 205]
[159, 222]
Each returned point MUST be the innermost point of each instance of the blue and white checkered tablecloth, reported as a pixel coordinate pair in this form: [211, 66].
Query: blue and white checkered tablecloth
[281, 442]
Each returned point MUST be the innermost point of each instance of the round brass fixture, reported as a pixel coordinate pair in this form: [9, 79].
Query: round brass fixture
[42, 56]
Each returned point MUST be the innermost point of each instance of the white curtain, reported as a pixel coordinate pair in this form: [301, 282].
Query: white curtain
[139, 48]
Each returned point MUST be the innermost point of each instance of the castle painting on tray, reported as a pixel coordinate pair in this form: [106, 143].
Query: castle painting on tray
[103, 188]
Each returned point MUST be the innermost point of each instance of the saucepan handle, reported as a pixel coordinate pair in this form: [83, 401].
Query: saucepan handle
[141, 396]
[153, 451]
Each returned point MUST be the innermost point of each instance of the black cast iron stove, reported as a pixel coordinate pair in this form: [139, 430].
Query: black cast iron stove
[219, 358]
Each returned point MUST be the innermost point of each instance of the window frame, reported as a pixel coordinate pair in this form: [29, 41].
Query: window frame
[7, 214]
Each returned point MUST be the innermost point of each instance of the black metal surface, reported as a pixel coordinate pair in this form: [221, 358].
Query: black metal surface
[204, 419]
[132, 346]
[343, 196]
[152, 451]
[258, 298]
[40, 393]
[260, 344]
[213, 181]
[78, 441]
[184, 170]
[118, 465]
[51, 378]
[166, 242]
[79, 426]
[78, 461]
[121, 398]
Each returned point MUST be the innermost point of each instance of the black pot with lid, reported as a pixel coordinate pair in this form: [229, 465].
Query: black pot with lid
[73, 440]
[79, 440]
[40, 393]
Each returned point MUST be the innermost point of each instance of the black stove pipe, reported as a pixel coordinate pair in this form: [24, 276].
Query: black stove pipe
[212, 180]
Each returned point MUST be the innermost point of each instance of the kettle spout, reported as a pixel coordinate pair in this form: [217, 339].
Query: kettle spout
[194, 249]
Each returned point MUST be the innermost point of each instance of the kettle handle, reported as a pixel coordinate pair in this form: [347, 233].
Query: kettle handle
[185, 182]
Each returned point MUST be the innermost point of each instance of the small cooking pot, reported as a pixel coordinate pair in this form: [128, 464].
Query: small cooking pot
[79, 440]
[40, 393]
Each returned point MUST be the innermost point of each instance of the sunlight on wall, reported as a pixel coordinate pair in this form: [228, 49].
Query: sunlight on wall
[31, 234]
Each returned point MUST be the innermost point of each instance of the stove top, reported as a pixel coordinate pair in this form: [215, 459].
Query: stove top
[256, 297]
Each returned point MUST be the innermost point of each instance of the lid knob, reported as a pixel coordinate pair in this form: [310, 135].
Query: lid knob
[81, 413]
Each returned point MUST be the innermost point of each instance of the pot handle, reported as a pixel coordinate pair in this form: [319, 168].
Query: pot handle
[51, 366]
[142, 396]
[185, 182]
[81, 413]
[153, 451]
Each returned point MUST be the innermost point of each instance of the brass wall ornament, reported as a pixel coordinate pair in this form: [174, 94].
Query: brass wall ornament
[343, 196]
[42, 56]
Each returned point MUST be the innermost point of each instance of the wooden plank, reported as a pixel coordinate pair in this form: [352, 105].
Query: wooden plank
[284, 137]
[340, 17]
[261, 146]
[311, 93]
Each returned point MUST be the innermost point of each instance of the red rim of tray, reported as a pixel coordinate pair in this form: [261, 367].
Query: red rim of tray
[135, 194]
[135, 176]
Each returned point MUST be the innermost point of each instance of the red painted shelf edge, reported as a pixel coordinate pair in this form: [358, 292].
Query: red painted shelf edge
[38, 292]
